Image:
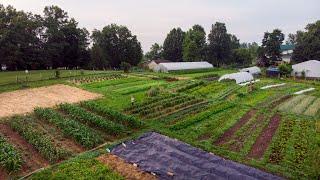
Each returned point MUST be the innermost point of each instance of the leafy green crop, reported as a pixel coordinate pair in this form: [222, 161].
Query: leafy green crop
[10, 157]
[81, 133]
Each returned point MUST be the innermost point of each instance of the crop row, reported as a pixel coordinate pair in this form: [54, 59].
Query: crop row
[148, 104]
[300, 144]
[116, 116]
[313, 109]
[10, 157]
[80, 114]
[96, 78]
[202, 116]
[69, 127]
[171, 109]
[38, 139]
[189, 86]
[165, 104]
[280, 144]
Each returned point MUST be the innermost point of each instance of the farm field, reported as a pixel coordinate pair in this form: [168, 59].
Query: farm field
[270, 129]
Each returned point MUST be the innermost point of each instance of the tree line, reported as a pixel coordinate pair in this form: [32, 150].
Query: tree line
[223, 49]
[55, 40]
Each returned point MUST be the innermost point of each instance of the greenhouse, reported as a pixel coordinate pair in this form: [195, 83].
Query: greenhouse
[239, 77]
[252, 70]
[176, 66]
[310, 68]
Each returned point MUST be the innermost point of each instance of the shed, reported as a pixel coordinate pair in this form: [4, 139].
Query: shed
[252, 70]
[176, 66]
[273, 72]
[240, 77]
[311, 69]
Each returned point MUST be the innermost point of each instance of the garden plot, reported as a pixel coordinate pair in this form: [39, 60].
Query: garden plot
[302, 104]
[96, 78]
[24, 101]
[172, 159]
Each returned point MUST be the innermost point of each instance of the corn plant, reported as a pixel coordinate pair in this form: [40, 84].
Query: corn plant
[69, 127]
[10, 157]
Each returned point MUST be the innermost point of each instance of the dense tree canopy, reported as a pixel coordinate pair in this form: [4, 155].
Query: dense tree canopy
[219, 45]
[117, 45]
[194, 44]
[156, 52]
[271, 45]
[172, 46]
[307, 43]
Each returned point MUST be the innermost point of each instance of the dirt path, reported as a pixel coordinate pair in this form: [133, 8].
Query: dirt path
[230, 132]
[33, 160]
[125, 169]
[24, 101]
[264, 139]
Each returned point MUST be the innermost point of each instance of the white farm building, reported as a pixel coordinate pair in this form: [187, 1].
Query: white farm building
[240, 77]
[311, 69]
[176, 66]
[252, 70]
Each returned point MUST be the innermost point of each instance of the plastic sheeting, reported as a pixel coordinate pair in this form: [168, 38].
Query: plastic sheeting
[175, 66]
[240, 77]
[164, 156]
[252, 70]
[311, 69]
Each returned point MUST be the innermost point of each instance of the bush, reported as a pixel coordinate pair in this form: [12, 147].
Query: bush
[10, 157]
[285, 69]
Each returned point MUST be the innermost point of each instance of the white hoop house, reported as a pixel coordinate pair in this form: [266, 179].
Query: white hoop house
[240, 77]
[252, 70]
[310, 68]
[176, 66]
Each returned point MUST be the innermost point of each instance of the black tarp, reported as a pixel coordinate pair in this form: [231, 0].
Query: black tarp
[159, 154]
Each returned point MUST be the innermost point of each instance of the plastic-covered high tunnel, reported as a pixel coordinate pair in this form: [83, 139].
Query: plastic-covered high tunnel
[172, 159]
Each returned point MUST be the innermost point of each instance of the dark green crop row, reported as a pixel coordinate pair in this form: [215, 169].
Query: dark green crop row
[69, 127]
[189, 86]
[38, 139]
[80, 114]
[116, 116]
[204, 115]
[10, 157]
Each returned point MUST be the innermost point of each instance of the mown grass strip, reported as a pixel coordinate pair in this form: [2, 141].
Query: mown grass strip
[116, 116]
[10, 157]
[38, 139]
[69, 127]
[91, 119]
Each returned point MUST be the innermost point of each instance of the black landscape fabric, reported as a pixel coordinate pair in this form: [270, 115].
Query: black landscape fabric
[172, 159]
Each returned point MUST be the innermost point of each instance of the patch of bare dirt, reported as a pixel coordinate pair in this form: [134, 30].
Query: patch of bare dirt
[3, 174]
[24, 101]
[204, 136]
[33, 160]
[125, 169]
[264, 139]
[230, 132]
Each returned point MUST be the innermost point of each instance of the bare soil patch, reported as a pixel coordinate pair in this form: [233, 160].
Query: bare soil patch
[264, 139]
[204, 136]
[125, 169]
[24, 101]
[230, 132]
[33, 160]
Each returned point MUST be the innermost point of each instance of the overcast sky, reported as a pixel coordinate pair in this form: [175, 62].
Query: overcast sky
[151, 20]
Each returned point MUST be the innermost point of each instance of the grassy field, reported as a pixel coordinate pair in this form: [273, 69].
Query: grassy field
[270, 129]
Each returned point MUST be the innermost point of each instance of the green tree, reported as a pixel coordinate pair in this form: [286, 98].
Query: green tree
[307, 43]
[242, 57]
[271, 45]
[172, 46]
[156, 52]
[219, 46]
[97, 60]
[194, 44]
[235, 42]
[118, 45]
